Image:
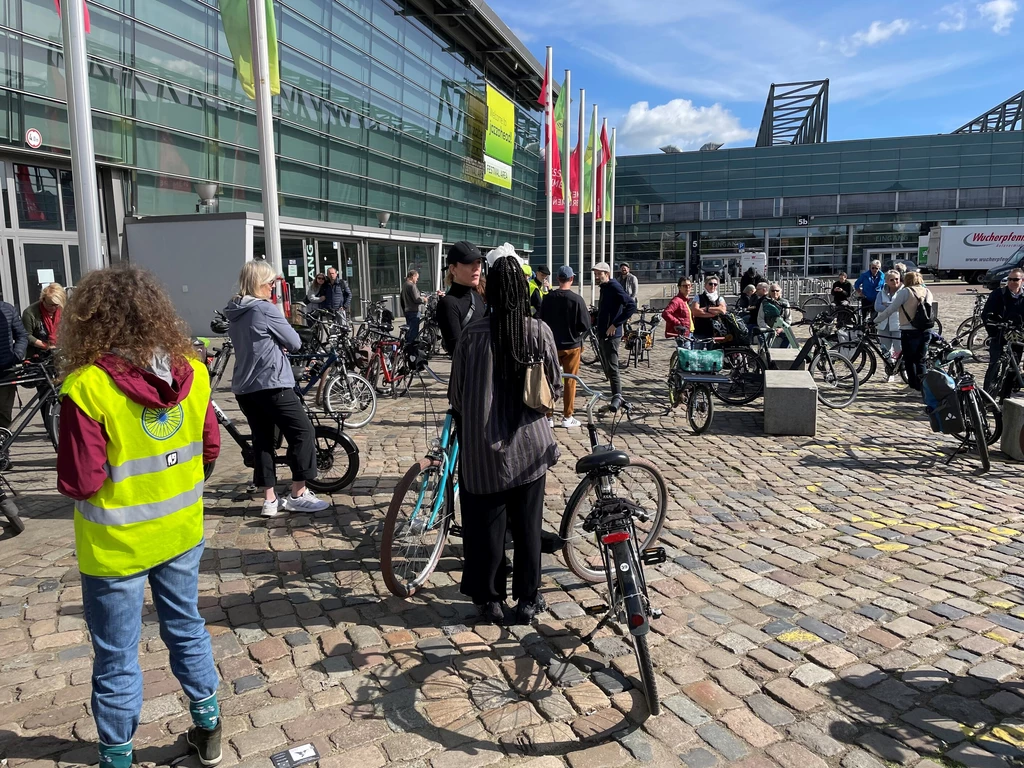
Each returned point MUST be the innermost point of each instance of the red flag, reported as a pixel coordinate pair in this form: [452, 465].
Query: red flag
[574, 179]
[606, 153]
[85, 8]
[557, 192]
[543, 98]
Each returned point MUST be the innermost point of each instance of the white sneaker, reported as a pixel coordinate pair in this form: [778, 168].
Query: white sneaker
[570, 423]
[551, 423]
[271, 509]
[307, 502]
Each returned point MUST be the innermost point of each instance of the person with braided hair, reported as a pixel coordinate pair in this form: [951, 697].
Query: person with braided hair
[506, 447]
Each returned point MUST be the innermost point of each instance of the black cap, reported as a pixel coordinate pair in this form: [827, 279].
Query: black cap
[464, 252]
[543, 270]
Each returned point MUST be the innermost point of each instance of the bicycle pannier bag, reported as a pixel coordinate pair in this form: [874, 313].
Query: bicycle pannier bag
[942, 403]
[700, 360]
[735, 331]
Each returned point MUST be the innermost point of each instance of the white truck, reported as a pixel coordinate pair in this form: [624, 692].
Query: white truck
[977, 253]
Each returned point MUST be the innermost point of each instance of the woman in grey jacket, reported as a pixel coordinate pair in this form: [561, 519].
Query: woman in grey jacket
[264, 386]
[914, 341]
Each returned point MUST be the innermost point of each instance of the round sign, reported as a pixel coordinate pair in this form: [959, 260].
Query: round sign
[34, 138]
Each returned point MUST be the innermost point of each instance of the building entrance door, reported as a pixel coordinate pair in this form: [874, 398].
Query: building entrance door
[41, 261]
[890, 256]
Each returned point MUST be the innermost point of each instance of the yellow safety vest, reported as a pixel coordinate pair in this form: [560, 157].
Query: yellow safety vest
[150, 508]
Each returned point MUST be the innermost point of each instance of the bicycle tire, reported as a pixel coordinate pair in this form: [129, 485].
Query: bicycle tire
[977, 426]
[13, 515]
[581, 563]
[353, 398]
[647, 678]
[992, 415]
[591, 354]
[208, 470]
[51, 421]
[979, 343]
[834, 374]
[328, 441]
[861, 355]
[700, 408]
[746, 373]
[398, 585]
[220, 365]
[968, 325]
[819, 302]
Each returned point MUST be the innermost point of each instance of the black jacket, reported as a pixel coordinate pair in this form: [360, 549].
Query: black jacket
[1002, 307]
[452, 312]
[567, 315]
[842, 290]
[751, 277]
[616, 308]
[13, 337]
[337, 295]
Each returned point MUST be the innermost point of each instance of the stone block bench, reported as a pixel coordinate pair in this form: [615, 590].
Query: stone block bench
[783, 358]
[1013, 428]
[790, 403]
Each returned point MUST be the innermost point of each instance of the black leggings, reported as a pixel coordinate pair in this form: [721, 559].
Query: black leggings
[484, 520]
[280, 408]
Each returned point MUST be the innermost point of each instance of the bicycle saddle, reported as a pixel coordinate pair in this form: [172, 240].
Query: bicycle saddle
[600, 460]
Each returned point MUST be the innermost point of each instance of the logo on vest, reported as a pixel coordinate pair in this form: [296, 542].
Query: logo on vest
[162, 423]
[172, 458]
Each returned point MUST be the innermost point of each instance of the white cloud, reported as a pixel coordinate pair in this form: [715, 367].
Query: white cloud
[878, 32]
[999, 13]
[956, 18]
[679, 122]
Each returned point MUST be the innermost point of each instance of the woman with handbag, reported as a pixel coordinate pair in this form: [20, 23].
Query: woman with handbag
[505, 378]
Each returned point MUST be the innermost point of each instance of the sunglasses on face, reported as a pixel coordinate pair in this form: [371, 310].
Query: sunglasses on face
[1013, 279]
[713, 285]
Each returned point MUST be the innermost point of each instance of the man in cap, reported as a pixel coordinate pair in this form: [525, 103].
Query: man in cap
[461, 304]
[615, 308]
[540, 284]
[628, 281]
[567, 315]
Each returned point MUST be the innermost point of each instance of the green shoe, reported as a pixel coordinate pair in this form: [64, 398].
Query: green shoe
[206, 743]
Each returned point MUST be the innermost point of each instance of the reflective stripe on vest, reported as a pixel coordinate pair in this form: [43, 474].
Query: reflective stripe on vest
[150, 464]
[139, 513]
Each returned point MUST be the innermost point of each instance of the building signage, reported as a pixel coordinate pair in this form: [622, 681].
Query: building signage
[500, 139]
[34, 138]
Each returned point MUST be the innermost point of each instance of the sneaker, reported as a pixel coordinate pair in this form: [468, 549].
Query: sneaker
[272, 508]
[206, 743]
[551, 423]
[527, 610]
[491, 613]
[550, 543]
[307, 502]
[570, 423]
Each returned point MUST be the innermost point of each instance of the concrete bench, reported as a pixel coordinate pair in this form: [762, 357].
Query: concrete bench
[790, 403]
[783, 358]
[1013, 428]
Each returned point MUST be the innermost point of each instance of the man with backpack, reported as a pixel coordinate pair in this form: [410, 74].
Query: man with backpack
[917, 318]
[1004, 305]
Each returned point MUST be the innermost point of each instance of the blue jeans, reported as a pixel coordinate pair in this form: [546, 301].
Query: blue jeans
[412, 321]
[113, 611]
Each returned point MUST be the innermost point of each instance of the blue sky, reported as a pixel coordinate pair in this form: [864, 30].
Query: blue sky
[685, 72]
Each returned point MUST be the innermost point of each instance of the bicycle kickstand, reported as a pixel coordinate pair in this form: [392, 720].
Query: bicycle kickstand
[957, 450]
[600, 625]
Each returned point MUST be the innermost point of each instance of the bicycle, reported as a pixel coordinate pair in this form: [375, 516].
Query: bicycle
[972, 333]
[9, 508]
[640, 340]
[971, 403]
[607, 526]
[41, 375]
[693, 389]
[1009, 378]
[218, 364]
[866, 352]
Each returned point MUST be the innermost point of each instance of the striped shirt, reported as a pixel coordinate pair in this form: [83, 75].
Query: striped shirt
[503, 444]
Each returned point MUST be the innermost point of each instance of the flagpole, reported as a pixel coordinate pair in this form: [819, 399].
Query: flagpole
[83, 151]
[579, 182]
[593, 205]
[604, 194]
[611, 210]
[547, 153]
[566, 165]
[265, 133]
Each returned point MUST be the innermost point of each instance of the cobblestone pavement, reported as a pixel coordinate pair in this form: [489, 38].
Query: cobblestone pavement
[846, 601]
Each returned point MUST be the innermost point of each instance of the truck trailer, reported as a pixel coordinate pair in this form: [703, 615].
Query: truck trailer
[977, 253]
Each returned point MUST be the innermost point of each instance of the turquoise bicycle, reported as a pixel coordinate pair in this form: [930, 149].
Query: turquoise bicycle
[421, 516]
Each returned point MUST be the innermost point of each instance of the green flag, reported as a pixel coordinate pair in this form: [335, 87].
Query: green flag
[560, 115]
[588, 170]
[234, 15]
[609, 203]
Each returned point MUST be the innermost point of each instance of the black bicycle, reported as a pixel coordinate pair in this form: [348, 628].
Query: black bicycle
[40, 375]
[1009, 378]
[8, 507]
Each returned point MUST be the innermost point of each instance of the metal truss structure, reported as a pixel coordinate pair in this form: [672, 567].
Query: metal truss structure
[1008, 116]
[795, 113]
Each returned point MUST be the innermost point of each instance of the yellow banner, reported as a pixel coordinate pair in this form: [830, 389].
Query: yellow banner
[500, 141]
[497, 172]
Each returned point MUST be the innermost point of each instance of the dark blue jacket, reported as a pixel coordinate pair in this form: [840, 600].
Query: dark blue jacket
[616, 308]
[13, 337]
[337, 295]
[870, 286]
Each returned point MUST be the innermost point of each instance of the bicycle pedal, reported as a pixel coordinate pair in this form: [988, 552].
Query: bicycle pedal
[455, 530]
[654, 556]
[656, 613]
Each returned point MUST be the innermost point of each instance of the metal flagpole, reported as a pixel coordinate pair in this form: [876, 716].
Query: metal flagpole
[580, 179]
[83, 152]
[566, 166]
[611, 202]
[265, 133]
[604, 194]
[547, 152]
[593, 205]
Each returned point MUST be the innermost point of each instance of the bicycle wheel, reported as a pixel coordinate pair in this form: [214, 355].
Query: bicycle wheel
[591, 354]
[351, 397]
[639, 482]
[10, 510]
[977, 426]
[992, 416]
[51, 420]
[337, 460]
[700, 408]
[643, 660]
[746, 376]
[836, 379]
[208, 470]
[965, 328]
[862, 357]
[978, 342]
[220, 365]
[412, 541]
[815, 302]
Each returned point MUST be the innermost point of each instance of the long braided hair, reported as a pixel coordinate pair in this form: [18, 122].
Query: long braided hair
[508, 299]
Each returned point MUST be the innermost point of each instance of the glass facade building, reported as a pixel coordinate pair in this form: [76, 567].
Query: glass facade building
[815, 209]
[380, 110]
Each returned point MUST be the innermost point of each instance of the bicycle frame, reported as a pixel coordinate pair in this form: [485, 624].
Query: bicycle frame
[447, 453]
[385, 366]
[29, 411]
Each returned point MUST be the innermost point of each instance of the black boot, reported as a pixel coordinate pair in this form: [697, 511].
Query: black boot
[527, 610]
[492, 613]
[550, 543]
[206, 743]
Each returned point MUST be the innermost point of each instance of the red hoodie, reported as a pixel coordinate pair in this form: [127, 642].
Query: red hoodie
[82, 455]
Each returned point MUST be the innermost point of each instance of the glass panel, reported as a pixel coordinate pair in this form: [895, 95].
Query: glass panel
[67, 195]
[385, 270]
[185, 18]
[76, 265]
[43, 256]
[351, 28]
[170, 59]
[35, 190]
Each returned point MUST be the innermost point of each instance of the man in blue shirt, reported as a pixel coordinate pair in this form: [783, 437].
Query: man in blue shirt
[867, 287]
[335, 292]
[615, 308]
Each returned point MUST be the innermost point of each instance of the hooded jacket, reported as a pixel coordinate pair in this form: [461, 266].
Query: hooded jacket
[82, 451]
[258, 330]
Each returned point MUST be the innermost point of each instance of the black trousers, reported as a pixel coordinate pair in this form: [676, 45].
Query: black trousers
[867, 308]
[485, 518]
[280, 408]
[914, 344]
[7, 395]
[610, 362]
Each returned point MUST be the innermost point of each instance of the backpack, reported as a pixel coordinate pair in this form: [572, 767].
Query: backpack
[735, 331]
[942, 403]
[772, 311]
[924, 317]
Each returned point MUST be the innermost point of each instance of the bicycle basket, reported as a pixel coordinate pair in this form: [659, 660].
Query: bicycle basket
[701, 360]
